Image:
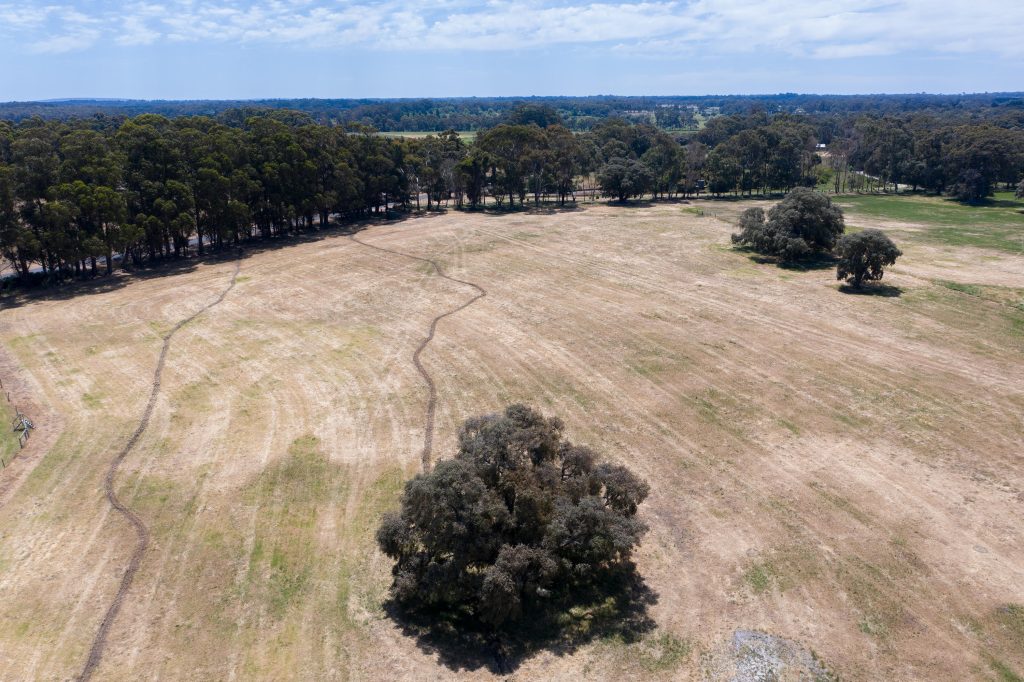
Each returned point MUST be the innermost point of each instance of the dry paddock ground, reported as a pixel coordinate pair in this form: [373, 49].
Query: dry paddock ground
[842, 471]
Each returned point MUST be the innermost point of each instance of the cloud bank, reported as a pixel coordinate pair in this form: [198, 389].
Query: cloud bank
[816, 29]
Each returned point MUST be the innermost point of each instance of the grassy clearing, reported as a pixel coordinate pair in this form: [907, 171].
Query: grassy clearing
[466, 136]
[996, 224]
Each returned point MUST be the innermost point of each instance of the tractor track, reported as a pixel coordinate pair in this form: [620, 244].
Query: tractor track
[428, 437]
[99, 642]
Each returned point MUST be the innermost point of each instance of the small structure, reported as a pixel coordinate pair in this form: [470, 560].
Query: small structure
[23, 425]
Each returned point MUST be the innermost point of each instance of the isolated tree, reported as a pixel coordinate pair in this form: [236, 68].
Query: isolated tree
[803, 223]
[863, 255]
[517, 524]
[1020, 190]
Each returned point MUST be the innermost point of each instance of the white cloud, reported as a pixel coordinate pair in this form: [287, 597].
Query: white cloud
[823, 29]
[135, 31]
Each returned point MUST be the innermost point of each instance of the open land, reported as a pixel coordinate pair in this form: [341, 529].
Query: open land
[843, 471]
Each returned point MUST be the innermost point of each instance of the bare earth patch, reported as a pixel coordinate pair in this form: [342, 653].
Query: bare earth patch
[839, 472]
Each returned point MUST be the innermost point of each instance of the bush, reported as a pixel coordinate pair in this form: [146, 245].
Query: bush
[803, 223]
[863, 255]
[515, 525]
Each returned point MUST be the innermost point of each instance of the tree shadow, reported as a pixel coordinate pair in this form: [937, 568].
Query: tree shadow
[1003, 203]
[630, 203]
[461, 642]
[15, 292]
[818, 261]
[882, 290]
[529, 208]
[822, 261]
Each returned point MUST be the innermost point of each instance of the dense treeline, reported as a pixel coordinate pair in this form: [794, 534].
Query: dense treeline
[78, 196]
[578, 113]
[964, 158]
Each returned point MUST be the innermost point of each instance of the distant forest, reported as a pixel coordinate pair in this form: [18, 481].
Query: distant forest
[476, 113]
[86, 192]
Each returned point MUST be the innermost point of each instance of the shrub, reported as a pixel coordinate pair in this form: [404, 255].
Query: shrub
[803, 223]
[517, 523]
[863, 255]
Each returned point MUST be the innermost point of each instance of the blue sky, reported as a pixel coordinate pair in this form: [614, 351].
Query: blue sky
[219, 49]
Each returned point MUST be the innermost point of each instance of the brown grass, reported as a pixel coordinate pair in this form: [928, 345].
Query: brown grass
[843, 471]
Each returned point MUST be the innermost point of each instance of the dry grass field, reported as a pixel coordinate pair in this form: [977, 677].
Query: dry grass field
[843, 471]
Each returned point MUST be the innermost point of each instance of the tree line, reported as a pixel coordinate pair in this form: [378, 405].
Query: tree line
[77, 197]
[580, 113]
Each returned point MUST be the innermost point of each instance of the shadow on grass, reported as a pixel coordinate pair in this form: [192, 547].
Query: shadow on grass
[15, 293]
[462, 642]
[882, 290]
[822, 261]
[529, 208]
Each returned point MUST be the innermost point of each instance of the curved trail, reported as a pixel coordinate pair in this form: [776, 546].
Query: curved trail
[428, 437]
[100, 640]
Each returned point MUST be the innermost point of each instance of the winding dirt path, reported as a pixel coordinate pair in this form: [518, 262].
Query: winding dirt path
[100, 640]
[428, 433]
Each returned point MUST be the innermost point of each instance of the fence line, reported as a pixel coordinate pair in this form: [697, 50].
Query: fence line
[21, 425]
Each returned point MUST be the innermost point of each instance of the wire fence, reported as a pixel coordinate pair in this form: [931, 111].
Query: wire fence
[20, 425]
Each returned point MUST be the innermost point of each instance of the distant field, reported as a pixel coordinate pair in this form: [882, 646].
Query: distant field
[843, 471]
[464, 135]
[996, 224]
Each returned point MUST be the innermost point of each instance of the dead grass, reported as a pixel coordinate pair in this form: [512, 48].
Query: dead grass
[843, 471]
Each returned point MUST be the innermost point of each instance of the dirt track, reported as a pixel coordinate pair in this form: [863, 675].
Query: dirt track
[142, 532]
[840, 471]
[428, 428]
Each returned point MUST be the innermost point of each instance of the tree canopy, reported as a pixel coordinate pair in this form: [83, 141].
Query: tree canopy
[803, 223]
[518, 523]
[863, 256]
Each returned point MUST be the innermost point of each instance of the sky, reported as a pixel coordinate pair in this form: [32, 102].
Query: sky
[248, 49]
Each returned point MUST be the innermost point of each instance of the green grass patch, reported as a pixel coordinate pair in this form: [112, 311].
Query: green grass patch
[971, 289]
[1011, 617]
[789, 426]
[653, 653]
[289, 494]
[1008, 296]
[760, 577]
[870, 625]
[994, 224]
[1005, 673]
[664, 652]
